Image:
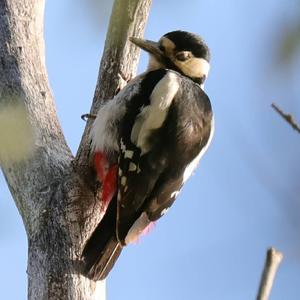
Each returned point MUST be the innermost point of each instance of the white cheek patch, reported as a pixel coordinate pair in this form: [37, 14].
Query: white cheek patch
[168, 45]
[153, 115]
[194, 67]
[194, 163]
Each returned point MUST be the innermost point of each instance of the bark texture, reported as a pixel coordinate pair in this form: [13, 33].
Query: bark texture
[57, 194]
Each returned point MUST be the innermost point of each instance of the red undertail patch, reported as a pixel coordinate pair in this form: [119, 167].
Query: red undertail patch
[107, 175]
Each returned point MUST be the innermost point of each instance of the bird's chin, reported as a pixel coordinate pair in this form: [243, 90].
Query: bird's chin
[154, 64]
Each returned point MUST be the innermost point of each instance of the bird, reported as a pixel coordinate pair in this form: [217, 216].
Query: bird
[146, 142]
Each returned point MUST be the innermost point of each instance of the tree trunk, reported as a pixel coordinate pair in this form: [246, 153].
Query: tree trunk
[56, 194]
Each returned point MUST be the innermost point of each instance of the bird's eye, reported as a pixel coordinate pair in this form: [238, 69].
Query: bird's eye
[183, 55]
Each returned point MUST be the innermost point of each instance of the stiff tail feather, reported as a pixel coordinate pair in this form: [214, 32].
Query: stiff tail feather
[102, 249]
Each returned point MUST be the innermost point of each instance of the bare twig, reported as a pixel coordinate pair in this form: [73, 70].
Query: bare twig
[288, 117]
[273, 259]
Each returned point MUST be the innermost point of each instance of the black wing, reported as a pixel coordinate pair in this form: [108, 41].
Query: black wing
[149, 182]
[137, 177]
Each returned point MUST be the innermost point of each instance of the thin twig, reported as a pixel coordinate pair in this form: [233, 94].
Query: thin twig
[273, 259]
[288, 117]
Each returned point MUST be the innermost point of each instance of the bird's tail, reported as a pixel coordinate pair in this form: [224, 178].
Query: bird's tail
[102, 249]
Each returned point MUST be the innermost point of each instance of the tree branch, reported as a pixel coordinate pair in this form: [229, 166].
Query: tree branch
[118, 64]
[288, 117]
[273, 260]
[24, 85]
[58, 198]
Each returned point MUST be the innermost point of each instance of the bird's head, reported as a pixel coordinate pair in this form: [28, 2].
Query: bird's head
[181, 51]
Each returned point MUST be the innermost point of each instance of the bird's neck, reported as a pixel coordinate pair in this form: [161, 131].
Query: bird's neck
[154, 64]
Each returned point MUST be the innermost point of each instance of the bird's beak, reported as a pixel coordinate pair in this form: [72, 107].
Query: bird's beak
[149, 46]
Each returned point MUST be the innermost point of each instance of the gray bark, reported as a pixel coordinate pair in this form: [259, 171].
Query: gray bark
[56, 194]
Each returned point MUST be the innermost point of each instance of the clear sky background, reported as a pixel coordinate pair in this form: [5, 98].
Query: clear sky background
[245, 195]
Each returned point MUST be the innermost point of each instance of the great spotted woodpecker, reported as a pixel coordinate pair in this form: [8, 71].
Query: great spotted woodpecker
[147, 141]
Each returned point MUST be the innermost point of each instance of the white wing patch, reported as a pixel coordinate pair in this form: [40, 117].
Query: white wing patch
[153, 115]
[194, 163]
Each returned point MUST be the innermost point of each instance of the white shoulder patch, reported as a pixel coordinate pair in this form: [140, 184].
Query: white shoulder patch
[194, 163]
[153, 115]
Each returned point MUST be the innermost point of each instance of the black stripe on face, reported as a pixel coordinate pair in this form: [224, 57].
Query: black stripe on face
[170, 65]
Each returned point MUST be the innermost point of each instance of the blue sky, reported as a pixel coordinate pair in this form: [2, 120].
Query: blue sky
[244, 196]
